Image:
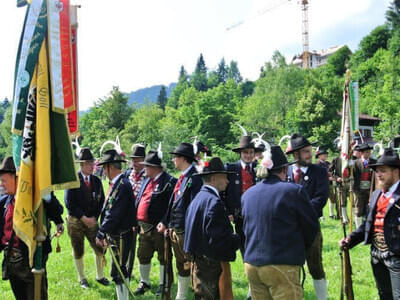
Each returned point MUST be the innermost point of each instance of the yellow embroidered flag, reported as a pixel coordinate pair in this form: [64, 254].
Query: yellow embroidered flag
[34, 178]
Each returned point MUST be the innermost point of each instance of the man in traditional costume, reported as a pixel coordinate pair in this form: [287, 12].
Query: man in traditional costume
[151, 206]
[118, 216]
[185, 190]
[84, 205]
[381, 229]
[279, 225]
[315, 181]
[15, 267]
[209, 237]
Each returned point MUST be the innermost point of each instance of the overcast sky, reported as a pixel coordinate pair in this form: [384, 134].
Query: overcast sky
[136, 44]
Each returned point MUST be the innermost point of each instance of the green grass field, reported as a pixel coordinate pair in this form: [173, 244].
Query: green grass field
[63, 282]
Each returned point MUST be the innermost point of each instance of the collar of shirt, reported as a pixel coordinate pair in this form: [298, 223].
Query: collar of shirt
[390, 192]
[158, 176]
[114, 180]
[303, 169]
[212, 188]
[187, 170]
[243, 164]
[85, 176]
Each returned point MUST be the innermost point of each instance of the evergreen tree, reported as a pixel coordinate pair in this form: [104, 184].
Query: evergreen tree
[199, 77]
[393, 15]
[162, 98]
[222, 72]
[233, 72]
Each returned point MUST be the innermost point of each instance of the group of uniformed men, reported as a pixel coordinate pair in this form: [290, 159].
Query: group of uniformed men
[275, 206]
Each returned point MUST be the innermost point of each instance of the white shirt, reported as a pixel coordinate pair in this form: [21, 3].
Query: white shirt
[295, 168]
[244, 165]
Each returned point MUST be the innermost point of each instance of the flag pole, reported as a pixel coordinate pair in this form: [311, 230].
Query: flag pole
[38, 269]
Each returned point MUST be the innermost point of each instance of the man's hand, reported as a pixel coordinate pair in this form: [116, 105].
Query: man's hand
[101, 243]
[339, 179]
[89, 222]
[60, 229]
[161, 227]
[344, 243]
[231, 218]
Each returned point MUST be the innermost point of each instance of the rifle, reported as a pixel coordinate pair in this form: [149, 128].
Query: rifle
[168, 278]
[346, 281]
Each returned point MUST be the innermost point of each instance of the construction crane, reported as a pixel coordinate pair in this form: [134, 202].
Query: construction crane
[305, 33]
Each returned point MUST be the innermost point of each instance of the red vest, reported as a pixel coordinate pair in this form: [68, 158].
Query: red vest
[247, 180]
[381, 207]
[8, 226]
[145, 201]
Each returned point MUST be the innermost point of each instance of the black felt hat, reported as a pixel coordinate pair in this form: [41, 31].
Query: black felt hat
[185, 149]
[260, 148]
[363, 147]
[297, 142]
[152, 159]
[111, 156]
[85, 155]
[8, 166]
[138, 150]
[245, 142]
[213, 166]
[320, 150]
[389, 157]
[203, 148]
[278, 159]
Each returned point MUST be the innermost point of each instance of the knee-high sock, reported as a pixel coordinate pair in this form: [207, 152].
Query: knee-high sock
[331, 209]
[144, 271]
[320, 288]
[344, 214]
[162, 268]
[99, 267]
[80, 268]
[183, 287]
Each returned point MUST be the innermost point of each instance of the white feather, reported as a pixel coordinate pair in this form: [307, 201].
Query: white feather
[159, 152]
[137, 145]
[195, 148]
[242, 128]
[77, 146]
[258, 140]
[115, 146]
[379, 147]
[285, 137]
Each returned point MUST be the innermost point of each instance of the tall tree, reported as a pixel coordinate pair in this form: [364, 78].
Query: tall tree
[377, 39]
[222, 71]
[162, 98]
[183, 84]
[234, 73]
[393, 15]
[199, 77]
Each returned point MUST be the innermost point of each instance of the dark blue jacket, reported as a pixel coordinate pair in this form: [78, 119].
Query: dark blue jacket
[190, 186]
[159, 199]
[316, 182]
[391, 227]
[53, 210]
[81, 201]
[279, 223]
[118, 214]
[233, 193]
[208, 230]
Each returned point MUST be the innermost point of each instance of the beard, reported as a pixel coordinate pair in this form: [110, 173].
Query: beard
[384, 185]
